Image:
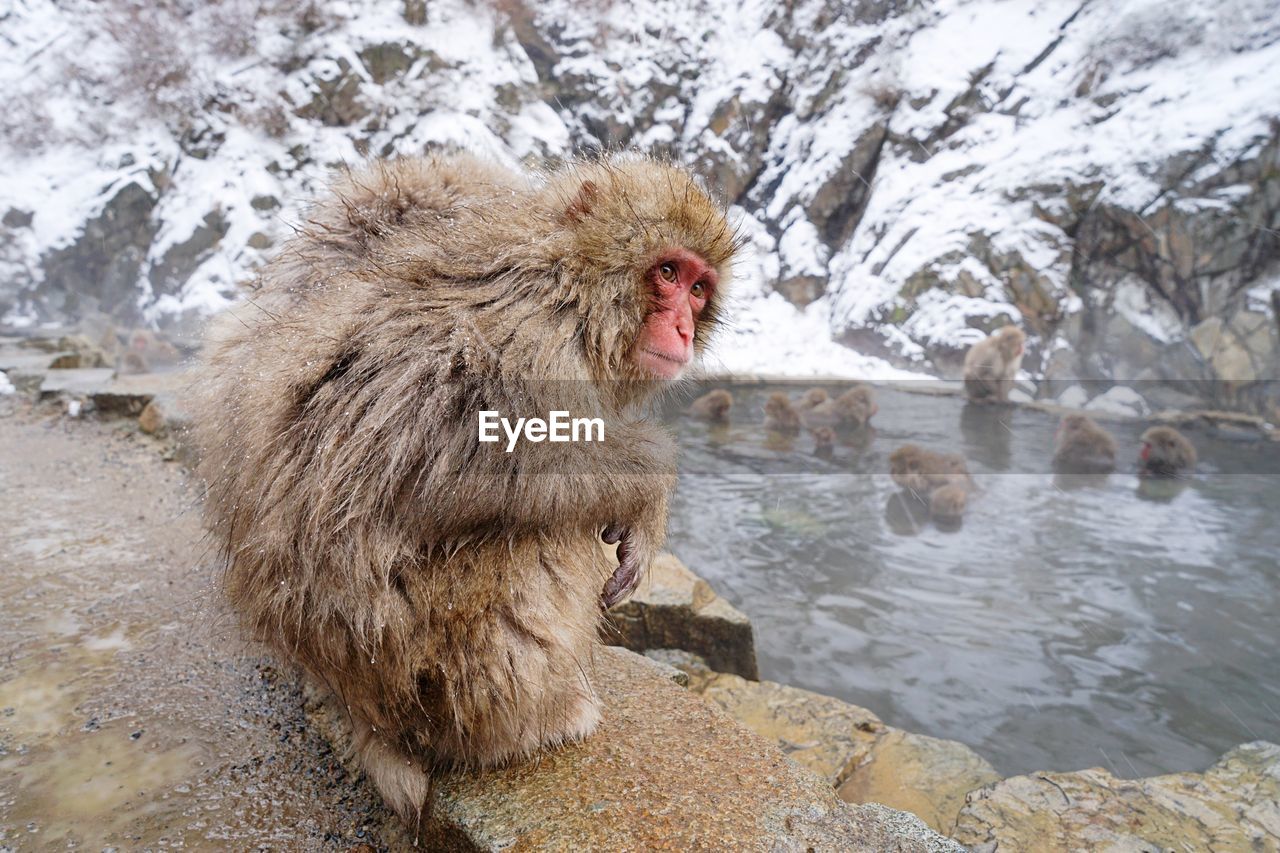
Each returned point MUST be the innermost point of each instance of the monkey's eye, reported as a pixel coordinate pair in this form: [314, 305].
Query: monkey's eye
[668, 271]
[699, 289]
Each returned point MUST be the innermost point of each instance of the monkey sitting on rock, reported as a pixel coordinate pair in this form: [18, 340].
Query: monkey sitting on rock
[449, 591]
[991, 365]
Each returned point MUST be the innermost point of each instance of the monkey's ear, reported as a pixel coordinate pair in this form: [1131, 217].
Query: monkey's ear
[583, 203]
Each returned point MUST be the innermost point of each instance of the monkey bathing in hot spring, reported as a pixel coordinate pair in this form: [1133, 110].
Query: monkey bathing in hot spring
[446, 590]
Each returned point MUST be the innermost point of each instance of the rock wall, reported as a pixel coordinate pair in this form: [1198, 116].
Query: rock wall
[909, 175]
[676, 609]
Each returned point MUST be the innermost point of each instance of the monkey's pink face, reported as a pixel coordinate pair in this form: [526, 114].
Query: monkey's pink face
[681, 284]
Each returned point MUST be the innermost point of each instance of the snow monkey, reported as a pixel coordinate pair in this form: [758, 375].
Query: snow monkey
[780, 416]
[824, 442]
[920, 471]
[448, 590]
[947, 505]
[851, 410]
[1166, 453]
[1083, 447]
[942, 480]
[812, 399]
[990, 366]
[713, 406]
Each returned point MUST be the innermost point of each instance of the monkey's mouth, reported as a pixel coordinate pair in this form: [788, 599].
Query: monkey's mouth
[662, 365]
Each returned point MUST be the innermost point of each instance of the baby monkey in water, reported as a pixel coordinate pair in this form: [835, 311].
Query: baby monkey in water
[448, 592]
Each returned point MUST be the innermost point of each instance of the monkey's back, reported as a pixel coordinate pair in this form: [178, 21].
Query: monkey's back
[1088, 450]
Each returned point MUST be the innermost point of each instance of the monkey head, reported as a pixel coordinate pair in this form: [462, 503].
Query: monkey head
[947, 504]
[1012, 341]
[1166, 451]
[857, 405]
[777, 405]
[1072, 424]
[644, 255]
[906, 467]
[719, 402]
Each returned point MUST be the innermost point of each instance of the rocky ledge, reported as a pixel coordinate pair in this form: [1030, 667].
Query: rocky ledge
[1234, 805]
[862, 758]
[676, 609]
[665, 770]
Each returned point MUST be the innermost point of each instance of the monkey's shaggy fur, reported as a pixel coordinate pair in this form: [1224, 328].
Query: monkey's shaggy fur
[1083, 447]
[1167, 453]
[448, 592]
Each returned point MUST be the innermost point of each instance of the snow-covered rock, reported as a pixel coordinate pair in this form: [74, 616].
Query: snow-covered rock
[1074, 397]
[909, 175]
[1119, 400]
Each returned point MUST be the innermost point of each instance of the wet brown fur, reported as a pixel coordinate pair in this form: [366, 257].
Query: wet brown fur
[1170, 454]
[813, 398]
[851, 410]
[947, 504]
[448, 592]
[713, 406]
[780, 416]
[1083, 447]
[824, 442]
[940, 480]
[920, 471]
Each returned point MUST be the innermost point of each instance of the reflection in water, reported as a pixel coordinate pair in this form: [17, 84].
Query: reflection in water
[857, 439]
[905, 514]
[1161, 490]
[988, 438]
[1059, 628]
[1073, 482]
[780, 441]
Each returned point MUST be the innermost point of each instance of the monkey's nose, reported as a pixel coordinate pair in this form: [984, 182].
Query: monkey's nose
[685, 327]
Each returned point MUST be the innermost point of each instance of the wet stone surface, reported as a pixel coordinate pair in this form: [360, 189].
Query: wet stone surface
[675, 609]
[131, 716]
[665, 771]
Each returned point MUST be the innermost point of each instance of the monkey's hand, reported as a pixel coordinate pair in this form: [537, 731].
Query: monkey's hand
[634, 553]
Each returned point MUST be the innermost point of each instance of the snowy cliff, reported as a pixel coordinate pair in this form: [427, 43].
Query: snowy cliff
[911, 173]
